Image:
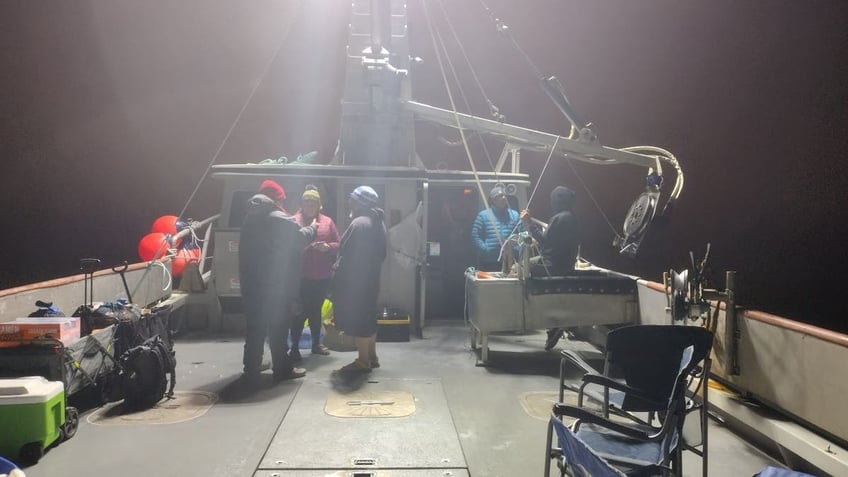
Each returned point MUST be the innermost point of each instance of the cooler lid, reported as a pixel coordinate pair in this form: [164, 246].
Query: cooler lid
[28, 390]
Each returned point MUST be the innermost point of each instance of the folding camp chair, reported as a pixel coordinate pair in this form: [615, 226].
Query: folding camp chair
[580, 460]
[634, 449]
[645, 360]
[632, 354]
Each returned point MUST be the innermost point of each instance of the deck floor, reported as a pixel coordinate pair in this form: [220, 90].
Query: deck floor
[485, 412]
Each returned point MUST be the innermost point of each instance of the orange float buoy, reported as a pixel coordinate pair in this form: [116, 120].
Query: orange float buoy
[153, 246]
[169, 225]
[183, 258]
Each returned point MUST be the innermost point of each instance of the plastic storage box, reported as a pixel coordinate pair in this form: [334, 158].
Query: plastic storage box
[392, 326]
[32, 413]
[65, 329]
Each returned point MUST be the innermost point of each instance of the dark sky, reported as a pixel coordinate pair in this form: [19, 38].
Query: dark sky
[111, 110]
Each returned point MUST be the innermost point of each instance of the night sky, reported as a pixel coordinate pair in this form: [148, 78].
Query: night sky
[111, 110]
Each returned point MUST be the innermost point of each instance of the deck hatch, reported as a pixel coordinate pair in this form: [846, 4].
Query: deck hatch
[185, 406]
[422, 442]
[370, 403]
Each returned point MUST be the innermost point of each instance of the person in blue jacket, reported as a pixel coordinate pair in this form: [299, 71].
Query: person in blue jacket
[492, 227]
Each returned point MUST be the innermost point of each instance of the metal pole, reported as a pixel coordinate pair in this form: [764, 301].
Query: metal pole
[732, 331]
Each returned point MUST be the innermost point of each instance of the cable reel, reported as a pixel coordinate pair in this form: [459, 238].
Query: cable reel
[636, 223]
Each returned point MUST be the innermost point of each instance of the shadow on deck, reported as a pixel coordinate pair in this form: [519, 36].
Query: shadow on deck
[472, 420]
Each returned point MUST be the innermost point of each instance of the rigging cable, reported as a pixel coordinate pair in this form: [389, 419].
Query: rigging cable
[458, 83]
[235, 122]
[436, 34]
[591, 196]
[260, 79]
[503, 28]
[659, 153]
[493, 110]
[533, 192]
[456, 116]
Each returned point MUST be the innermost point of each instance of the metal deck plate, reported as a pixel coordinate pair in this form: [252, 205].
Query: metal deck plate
[184, 406]
[538, 404]
[365, 473]
[310, 439]
[370, 404]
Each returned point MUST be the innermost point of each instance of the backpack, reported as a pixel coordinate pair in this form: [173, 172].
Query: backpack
[144, 373]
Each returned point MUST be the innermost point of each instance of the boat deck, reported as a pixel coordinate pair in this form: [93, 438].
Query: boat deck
[463, 420]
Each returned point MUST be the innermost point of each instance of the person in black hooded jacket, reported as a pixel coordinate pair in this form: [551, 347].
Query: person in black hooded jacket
[270, 250]
[356, 283]
[558, 243]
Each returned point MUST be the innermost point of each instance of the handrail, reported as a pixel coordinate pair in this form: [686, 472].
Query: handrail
[66, 280]
[106, 271]
[195, 225]
[823, 334]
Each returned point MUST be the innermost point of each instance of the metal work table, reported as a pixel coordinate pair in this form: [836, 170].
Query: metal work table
[520, 304]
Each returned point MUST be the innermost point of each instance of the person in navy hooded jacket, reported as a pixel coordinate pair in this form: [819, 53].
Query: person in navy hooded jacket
[356, 283]
[558, 244]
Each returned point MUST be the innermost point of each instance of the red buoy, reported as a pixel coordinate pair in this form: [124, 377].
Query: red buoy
[169, 225]
[153, 246]
[183, 258]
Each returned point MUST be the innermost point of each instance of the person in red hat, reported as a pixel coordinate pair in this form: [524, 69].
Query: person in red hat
[273, 191]
[270, 254]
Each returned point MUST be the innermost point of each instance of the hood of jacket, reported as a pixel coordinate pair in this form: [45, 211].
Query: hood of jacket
[562, 199]
[374, 212]
[261, 204]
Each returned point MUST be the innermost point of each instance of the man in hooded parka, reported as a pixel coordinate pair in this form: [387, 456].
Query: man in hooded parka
[558, 244]
[270, 253]
[356, 284]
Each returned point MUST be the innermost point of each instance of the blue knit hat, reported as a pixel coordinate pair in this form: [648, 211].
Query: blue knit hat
[365, 196]
[497, 191]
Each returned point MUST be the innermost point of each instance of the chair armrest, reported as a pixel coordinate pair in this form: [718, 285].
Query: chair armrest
[560, 409]
[569, 356]
[604, 381]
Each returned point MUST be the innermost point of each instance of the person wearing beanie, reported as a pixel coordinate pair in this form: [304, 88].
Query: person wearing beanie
[356, 283]
[558, 243]
[273, 191]
[318, 260]
[492, 227]
[365, 197]
[271, 246]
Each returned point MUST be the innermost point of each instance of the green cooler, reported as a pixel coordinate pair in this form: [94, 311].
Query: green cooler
[32, 413]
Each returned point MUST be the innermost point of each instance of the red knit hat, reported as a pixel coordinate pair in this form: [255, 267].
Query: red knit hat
[273, 190]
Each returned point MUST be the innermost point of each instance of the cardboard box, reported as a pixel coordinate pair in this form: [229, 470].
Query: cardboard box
[66, 330]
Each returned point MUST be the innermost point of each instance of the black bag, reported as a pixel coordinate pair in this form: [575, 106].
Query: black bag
[145, 369]
[101, 315]
[45, 309]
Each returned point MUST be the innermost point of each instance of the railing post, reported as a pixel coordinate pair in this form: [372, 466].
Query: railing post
[732, 332]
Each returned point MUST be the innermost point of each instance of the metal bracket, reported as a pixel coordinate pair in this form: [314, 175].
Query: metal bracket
[510, 150]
